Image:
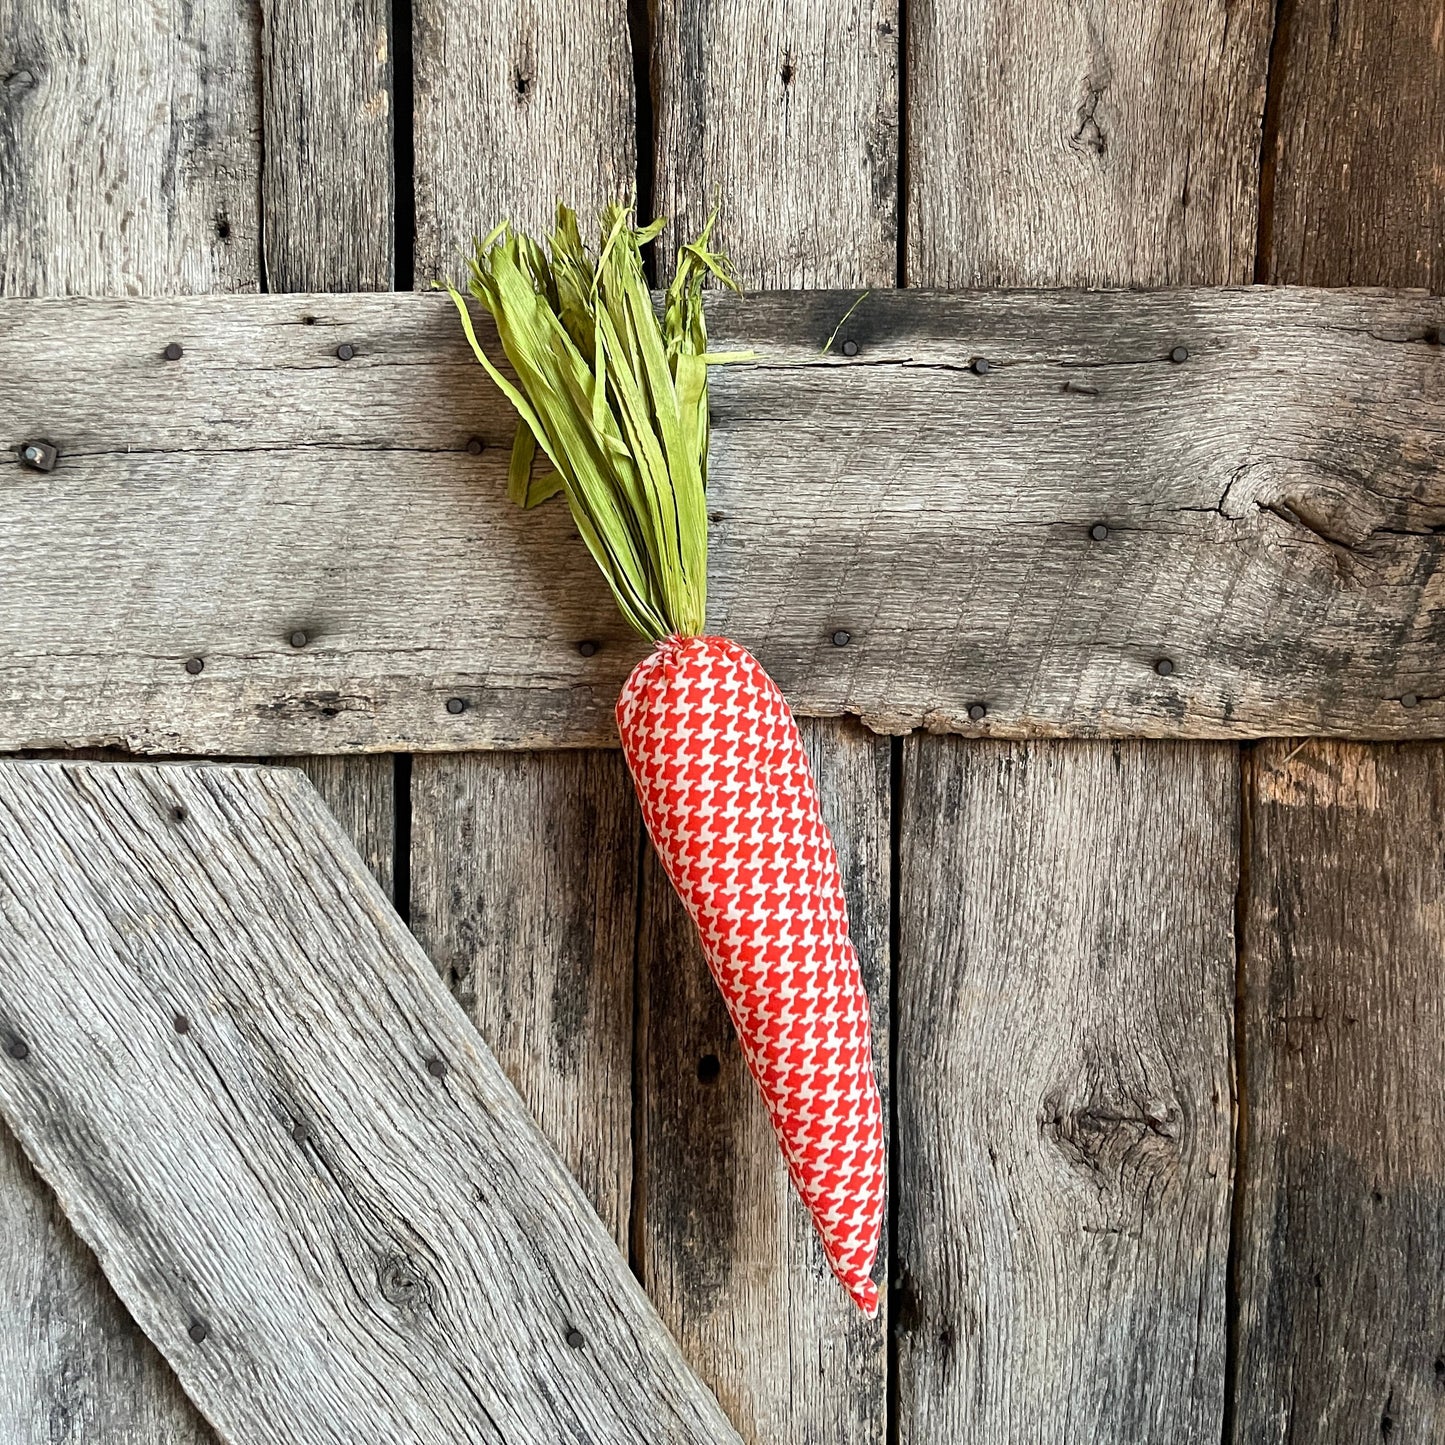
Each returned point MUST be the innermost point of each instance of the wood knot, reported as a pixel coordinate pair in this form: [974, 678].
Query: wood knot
[402, 1284]
[1114, 1140]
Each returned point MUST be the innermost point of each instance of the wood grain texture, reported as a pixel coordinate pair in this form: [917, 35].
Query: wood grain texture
[129, 147]
[517, 106]
[726, 1251]
[1063, 1083]
[1356, 150]
[422, 1268]
[328, 168]
[785, 119]
[360, 792]
[1341, 1316]
[1273, 522]
[524, 892]
[1054, 143]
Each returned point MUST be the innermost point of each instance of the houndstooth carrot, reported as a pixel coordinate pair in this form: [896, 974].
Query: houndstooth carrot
[617, 401]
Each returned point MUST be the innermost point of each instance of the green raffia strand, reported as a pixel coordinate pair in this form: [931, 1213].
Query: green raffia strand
[615, 397]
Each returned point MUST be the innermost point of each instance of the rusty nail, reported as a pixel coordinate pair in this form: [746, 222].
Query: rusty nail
[588, 649]
[173, 351]
[850, 347]
[456, 705]
[298, 638]
[476, 446]
[708, 1068]
[979, 365]
[197, 1331]
[346, 351]
[1410, 700]
[1164, 667]
[437, 1068]
[181, 1024]
[39, 455]
[574, 1338]
[195, 666]
[842, 638]
[1179, 354]
[977, 712]
[17, 1048]
[180, 813]
[1098, 531]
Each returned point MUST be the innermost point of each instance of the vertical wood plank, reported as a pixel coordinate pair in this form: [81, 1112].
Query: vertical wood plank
[360, 792]
[524, 873]
[786, 118]
[1066, 951]
[517, 105]
[129, 148]
[1342, 1320]
[1050, 145]
[1097, 144]
[129, 165]
[1356, 146]
[328, 175]
[1342, 1189]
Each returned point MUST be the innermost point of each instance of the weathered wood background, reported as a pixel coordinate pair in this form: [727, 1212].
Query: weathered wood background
[1159, 1022]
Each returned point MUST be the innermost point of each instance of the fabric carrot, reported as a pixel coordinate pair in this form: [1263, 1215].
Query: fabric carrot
[616, 399]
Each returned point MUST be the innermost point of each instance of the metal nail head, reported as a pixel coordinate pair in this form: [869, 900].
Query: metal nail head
[980, 365]
[476, 446]
[173, 352]
[708, 1068]
[850, 347]
[437, 1068]
[842, 638]
[574, 1338]
[195, 666]
[1098, 531]
[588, 649]
[197, 1331]
[346, 351]
[456, 705]
[1164, 667]
[17, 1048]
[1179, 355]
[1410, 700]
[39, 456]
[298, 638]
[181, 1024]
[180, 813]
[977, 712]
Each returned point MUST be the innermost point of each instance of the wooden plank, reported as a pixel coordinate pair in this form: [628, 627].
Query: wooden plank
[1355, 146]
[727, 1253]
[1341, 1318]
[1057, 144]
[328, 173]
[784, 119]
[524, 890]
[1272, 523]
[129, 147]
[360, 792]
[517, 106]
[1063, 1089]
[302, 1263]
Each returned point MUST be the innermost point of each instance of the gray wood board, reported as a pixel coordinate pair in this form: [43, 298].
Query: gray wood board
[1064, 1135]
[422, 1267]
[1273, 507]
[524, 893]
[1342, 1234]
[1058, 144]
[727, 1253]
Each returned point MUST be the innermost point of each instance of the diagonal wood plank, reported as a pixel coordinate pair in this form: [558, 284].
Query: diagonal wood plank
[1272, 528]
[308, 1180]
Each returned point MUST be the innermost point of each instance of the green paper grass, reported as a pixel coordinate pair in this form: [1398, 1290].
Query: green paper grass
[614, 396]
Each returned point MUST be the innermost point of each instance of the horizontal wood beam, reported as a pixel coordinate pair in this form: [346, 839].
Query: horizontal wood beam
[1209, 513]
[301, 1169]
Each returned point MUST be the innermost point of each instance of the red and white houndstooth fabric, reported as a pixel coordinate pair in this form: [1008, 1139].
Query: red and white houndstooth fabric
[729, 800]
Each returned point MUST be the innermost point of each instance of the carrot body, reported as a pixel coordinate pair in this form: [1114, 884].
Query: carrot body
[728, 797]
